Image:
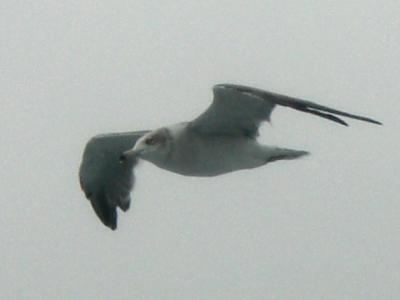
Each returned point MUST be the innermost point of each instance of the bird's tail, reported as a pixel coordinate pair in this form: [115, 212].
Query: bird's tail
[282, 153]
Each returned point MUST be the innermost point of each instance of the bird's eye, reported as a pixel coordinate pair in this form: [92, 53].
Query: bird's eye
[150, 141]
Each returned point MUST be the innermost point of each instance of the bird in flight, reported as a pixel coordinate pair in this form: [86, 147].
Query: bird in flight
[222, 139]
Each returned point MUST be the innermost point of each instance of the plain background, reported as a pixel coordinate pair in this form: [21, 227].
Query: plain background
[324, 227]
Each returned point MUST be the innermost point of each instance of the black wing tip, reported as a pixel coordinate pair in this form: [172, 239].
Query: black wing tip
[365, 119]
[336, 119]
[111, 225]
[111, 220]
[105, 212]
[340, 121]
[375, 122]
[372, 121]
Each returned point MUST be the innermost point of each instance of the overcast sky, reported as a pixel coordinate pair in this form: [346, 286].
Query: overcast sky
[324, 227]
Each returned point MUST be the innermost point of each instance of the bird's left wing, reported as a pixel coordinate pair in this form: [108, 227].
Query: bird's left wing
[106, 182]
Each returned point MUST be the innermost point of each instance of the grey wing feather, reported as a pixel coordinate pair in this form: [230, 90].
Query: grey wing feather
[238, 109]
[106, 182]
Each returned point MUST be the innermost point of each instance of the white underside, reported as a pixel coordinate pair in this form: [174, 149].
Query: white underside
[194, 154]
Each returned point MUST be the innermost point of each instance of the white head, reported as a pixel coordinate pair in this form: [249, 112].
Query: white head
[152, 145]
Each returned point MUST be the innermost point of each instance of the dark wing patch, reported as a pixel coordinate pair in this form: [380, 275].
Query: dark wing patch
[106, 182]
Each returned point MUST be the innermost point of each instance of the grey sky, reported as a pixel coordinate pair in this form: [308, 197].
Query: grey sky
[325, 227]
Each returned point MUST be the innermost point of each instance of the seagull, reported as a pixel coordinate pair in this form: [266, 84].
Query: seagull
[222, 139]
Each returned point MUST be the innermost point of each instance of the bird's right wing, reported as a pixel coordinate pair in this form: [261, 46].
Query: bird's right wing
[106, 182]
[238, 109]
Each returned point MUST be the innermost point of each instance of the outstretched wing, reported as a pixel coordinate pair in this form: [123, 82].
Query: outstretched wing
[240, 109]
[107, 183]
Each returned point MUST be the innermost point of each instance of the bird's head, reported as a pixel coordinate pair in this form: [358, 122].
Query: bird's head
[154, 143]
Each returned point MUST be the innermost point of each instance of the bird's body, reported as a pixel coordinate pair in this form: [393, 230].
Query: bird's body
[196, 154]
[223, 139]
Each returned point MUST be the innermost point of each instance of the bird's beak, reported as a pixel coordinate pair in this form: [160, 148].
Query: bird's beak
[130, 155]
